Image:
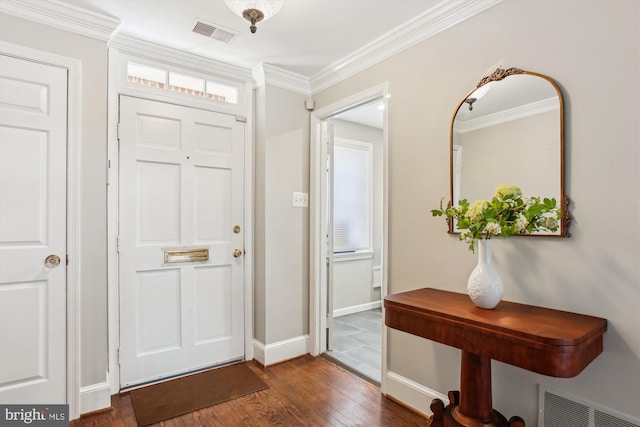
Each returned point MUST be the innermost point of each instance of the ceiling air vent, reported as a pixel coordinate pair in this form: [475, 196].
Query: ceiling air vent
[214, 31]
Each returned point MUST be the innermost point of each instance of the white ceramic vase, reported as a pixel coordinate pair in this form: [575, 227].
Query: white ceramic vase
[485, 287]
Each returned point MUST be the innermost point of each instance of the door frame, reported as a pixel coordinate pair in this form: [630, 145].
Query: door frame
[318, 239]
[117, 86]
[74, 253]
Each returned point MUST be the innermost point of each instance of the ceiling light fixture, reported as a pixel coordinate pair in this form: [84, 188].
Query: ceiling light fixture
[477, 94]
[255, 10]
[470, 101]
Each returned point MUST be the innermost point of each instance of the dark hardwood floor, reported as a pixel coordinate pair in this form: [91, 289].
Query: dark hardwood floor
[307, 391]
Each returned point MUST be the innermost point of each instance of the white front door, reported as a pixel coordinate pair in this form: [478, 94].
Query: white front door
[180, 222]
[33, 185]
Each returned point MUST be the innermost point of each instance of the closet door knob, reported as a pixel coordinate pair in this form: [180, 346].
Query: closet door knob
[52, 261]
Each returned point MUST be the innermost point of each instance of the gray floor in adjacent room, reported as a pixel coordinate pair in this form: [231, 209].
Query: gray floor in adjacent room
[357, 342]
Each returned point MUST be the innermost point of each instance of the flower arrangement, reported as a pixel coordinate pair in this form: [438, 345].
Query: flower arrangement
[506, 214]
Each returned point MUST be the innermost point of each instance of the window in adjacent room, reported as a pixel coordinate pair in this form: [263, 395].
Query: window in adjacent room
[352, 195]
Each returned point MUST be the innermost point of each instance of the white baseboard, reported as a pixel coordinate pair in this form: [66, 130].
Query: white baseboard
[356, 308]
[411, 393]
[280, 351]
[95, 397]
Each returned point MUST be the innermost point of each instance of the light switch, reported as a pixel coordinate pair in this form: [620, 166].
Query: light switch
[300, 200]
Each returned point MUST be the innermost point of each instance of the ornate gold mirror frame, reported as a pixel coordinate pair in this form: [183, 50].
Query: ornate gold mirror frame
[510, 127]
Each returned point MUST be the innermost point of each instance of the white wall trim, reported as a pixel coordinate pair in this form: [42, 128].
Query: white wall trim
[440, 17]
[113, 293]
[281, 351]
[95, 396]
[64, 16]
[74, 118]
[294, 82]
[155, 52]
[520, 112]
[318, 220]
[356, 308]
[411, 393]
[249, 196]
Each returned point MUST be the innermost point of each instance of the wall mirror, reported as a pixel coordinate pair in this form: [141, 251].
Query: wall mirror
[510, 130]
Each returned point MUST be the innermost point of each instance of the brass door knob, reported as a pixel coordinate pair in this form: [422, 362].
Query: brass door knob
[52, 261]
[237, 253]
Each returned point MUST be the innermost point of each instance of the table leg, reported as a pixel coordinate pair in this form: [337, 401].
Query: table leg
[473, 406]
[475, 389]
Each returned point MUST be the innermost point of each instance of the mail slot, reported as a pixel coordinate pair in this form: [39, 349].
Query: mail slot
[172, 256]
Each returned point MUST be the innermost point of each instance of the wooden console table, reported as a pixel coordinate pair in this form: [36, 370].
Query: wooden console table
[549, 342]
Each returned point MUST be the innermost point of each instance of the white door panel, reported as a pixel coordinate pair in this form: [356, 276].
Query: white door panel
[33, 139]
[181, 187]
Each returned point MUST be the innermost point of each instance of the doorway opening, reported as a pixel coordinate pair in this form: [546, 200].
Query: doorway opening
[350, 233]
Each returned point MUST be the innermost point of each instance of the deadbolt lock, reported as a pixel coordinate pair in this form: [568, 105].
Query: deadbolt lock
[236, 229]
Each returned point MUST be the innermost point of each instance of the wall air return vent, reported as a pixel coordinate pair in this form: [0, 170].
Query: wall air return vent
[558, 409]
[214, 31]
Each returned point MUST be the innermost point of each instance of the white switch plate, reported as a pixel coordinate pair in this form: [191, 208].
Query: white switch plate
[300, 200]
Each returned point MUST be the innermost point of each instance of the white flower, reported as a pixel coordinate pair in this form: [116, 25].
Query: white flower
[476, 209]
[506, 191]
[493, 229]
[466, 236]
[506, 214]
[521, 223]
[548, 222]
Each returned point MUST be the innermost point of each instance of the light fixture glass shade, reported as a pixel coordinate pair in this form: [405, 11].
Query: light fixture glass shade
[481, 91]
[267, 7]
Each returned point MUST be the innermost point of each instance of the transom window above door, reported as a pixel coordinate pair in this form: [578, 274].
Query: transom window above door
[153, 77]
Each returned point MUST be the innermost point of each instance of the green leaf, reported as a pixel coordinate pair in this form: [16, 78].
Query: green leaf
[550, 203]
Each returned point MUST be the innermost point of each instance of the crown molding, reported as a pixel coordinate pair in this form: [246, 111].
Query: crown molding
[440, 17]
[286, 79]
[521, 112]
[155, 52]
[87, 23]
[64, 16]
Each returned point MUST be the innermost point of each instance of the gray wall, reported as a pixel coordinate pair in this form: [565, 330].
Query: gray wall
[93, 171]
[494, 155]
[282, 231]
[592, 50]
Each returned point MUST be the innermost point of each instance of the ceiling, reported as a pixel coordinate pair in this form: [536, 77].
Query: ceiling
[306, 37]
[370, 114]
[517, 94]
[308, 40]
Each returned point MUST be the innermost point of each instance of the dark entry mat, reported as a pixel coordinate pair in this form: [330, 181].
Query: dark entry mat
[176, 397]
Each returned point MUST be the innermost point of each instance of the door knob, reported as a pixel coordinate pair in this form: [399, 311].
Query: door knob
[237, 253]
[52, 261]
